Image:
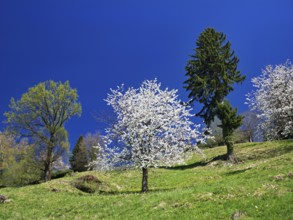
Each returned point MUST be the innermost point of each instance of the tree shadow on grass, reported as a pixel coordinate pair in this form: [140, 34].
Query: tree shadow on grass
[270, 153]
[188, 166]
[237, 171]
[135, 192]
[222, 157]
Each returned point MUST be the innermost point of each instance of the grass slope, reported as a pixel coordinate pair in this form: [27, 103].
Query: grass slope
[260, 187]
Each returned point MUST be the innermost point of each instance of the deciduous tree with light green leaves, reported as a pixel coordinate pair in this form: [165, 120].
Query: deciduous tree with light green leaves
[19, 165]
[40, 115]
[211, 73]
[6, 151]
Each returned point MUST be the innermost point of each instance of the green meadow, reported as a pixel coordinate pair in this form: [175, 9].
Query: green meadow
[259, 187]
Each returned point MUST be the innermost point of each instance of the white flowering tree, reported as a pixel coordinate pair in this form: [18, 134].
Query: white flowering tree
[103, 157]
[153, 126]
[273, 100]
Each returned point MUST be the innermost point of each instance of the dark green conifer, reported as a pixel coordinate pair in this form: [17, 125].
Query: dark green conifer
[79, 160]
[230, 122]
[212, 71]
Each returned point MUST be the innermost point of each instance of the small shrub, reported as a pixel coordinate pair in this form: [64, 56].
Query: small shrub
[88, 184]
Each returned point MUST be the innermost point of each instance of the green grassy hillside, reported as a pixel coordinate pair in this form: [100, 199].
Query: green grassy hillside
[261, 187]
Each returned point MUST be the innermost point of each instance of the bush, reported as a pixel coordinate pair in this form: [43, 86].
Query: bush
[22, 173]
[19, 165]
[88, 184]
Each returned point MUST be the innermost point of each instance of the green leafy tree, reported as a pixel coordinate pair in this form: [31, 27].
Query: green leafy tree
[18, 163]
[40, 115]
[79, 160]
[24, 170]
[7, 150]
[211, 72]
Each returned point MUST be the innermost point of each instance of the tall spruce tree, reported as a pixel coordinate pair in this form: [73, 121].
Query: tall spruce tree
[79, 160]
[212, 71]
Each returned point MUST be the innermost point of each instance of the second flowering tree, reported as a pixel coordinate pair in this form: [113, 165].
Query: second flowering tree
[272, 100]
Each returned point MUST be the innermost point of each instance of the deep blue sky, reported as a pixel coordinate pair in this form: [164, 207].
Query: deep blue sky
[97, 45]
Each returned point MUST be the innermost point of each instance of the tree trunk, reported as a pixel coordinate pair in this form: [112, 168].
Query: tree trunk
[250, 136]
[47, 171]
[230, 156]
[230, 152]
[48, 165]
[144, 187]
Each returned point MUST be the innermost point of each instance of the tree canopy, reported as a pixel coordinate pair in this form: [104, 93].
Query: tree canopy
[40, 115]
[211, 71]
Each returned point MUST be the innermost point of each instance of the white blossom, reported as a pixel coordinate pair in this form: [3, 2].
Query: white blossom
[273, 100]
[152, 129]
[103, 159]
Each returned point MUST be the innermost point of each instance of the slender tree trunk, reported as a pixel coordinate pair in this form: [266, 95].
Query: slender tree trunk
[144, 187]
[48, 161]
[250, 136]
[47, 171]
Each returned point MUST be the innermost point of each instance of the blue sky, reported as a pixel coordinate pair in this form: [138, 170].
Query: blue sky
[97, 45]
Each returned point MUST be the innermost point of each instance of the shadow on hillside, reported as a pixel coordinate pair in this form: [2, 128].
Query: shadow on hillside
[188, 166]
[198, 164]
[237, 171]
[135, 192]
[271, 153]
